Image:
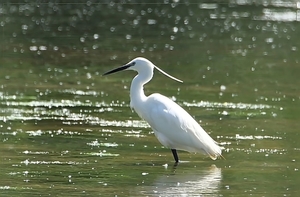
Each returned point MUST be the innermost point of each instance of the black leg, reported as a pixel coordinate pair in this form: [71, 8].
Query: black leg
[175, 155]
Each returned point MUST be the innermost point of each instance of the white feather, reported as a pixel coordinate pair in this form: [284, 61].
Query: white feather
[175, 128]
[172, 125]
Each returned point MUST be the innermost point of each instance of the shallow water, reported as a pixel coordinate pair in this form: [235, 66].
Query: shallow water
[66, 130]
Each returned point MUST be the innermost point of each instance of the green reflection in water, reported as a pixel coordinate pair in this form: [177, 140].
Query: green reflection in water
[65, 130]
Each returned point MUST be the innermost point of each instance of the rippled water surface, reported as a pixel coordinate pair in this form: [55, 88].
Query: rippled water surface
[65, 130]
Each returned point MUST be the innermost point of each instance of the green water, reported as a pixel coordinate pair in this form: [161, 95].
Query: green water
[67, 131]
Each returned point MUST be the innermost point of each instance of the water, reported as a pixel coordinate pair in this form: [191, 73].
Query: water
[66, 130]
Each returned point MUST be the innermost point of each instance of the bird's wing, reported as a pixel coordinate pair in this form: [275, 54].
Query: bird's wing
[175, 128]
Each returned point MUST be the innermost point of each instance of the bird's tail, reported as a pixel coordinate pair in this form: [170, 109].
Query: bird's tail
[215, 152]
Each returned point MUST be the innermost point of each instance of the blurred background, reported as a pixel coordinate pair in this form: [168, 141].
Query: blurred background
[67, 130]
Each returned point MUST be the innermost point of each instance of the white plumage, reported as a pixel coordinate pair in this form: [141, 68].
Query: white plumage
[172, 125]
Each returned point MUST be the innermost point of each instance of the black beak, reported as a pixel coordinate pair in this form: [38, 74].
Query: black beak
[118, 69]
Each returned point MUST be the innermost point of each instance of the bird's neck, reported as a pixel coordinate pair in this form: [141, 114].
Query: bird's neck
[137, 95]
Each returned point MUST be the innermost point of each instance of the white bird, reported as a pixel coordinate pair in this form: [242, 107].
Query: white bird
[172, 125]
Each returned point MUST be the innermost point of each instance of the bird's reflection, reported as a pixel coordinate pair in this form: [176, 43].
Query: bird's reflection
[191, 183]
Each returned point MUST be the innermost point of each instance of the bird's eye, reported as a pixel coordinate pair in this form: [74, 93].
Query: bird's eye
[132, 64]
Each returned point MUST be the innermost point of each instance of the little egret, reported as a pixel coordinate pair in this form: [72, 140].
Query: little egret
[172, 125]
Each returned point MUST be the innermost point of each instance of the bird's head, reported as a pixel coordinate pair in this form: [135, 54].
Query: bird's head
[140, 65]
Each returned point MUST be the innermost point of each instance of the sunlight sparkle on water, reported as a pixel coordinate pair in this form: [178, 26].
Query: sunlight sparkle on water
[28, 162]
[259, 137]
[228, 105]
[35, 152]
[106, 144]
[51, 132]
[7, 188]
[103, 154]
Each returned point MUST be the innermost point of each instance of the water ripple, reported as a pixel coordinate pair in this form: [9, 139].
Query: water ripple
[37, 162]
[227, 105]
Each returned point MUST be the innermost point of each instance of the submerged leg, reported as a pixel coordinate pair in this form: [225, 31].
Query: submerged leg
[175, 155]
